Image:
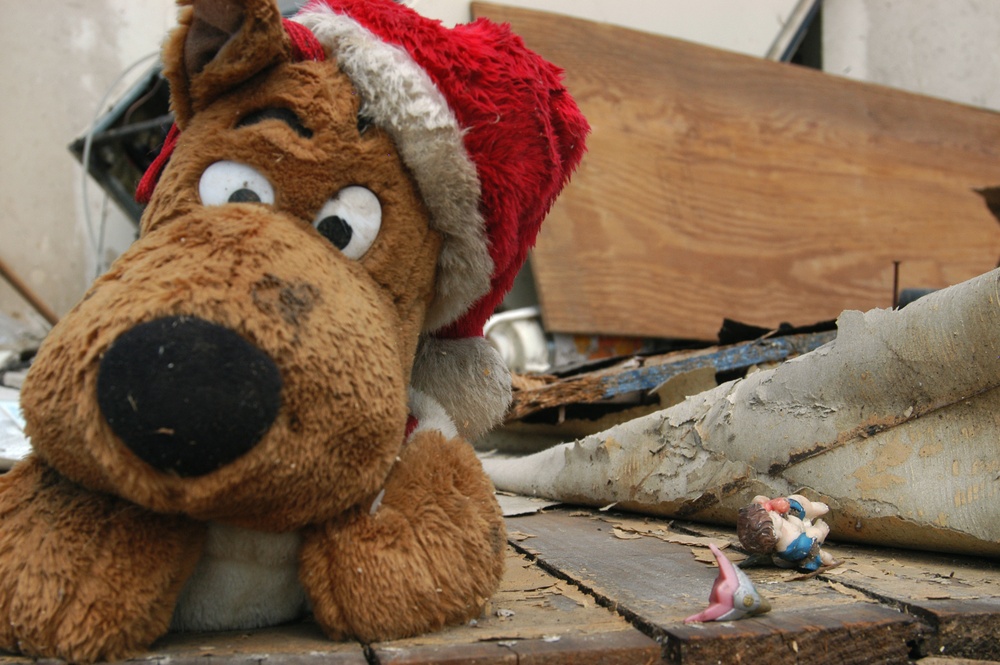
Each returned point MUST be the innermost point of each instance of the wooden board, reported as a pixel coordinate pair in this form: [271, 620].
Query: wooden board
[657, 584]
[958, 597]
[719, 185]
[645, 373]
[619, 648]
[955, 598]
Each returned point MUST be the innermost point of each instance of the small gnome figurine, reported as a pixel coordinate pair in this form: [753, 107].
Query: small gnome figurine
[786, 528]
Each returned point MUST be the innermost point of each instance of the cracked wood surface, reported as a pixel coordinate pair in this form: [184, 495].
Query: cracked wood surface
[956, 599]
[657, 583]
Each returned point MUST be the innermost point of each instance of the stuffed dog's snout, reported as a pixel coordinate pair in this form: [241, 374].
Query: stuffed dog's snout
[187, 396]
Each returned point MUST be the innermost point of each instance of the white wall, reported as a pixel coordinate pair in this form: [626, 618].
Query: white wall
[56, 66]
[734, 25]
[943, 49]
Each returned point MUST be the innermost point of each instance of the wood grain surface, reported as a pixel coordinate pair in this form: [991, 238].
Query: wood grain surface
[955, 599]
[656, 581]
[719, 185]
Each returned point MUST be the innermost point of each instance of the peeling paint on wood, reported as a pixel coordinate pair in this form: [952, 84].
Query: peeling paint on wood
[895, 425]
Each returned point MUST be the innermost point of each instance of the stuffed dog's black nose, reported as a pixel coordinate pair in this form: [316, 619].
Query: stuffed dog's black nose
[186, 395]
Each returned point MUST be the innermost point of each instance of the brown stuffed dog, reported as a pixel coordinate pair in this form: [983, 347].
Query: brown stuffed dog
[262, 409]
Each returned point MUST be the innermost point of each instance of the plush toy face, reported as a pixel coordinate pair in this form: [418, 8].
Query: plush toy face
[221, 428]
[247, 359]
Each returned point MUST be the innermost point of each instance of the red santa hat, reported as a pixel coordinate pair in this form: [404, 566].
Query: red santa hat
[491, 136]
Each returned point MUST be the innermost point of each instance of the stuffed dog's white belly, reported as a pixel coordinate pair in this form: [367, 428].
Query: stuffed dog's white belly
[245, 579]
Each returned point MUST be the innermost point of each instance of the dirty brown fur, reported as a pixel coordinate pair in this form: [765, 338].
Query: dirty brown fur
[96, 543]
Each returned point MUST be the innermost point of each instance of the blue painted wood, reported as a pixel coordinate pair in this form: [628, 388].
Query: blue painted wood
[731, 358]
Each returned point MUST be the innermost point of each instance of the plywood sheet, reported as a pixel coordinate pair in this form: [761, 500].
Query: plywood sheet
[719, 185]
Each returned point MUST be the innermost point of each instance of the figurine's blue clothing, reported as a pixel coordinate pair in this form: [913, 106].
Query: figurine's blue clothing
[798, 551]
[795, 508]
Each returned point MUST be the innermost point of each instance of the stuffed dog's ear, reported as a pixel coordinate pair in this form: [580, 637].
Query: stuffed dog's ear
[218, 45]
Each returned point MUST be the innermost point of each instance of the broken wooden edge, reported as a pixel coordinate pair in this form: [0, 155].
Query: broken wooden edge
[608, 384]
[727, 359]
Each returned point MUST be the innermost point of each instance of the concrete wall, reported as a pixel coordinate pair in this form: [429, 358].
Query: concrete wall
[59, 64]
[734, 25]
[942, 49]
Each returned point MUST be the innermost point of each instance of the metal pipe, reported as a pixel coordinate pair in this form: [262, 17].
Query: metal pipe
[25, 291]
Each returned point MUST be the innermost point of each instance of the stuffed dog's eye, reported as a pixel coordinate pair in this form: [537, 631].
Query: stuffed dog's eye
[351, 220]
[364, 123]
[232, 182]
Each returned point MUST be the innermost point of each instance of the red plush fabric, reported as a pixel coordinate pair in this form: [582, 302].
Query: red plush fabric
[144, 191]
[523, 131]
[305, 46]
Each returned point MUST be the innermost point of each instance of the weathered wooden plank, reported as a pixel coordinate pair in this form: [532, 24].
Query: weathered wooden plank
[958, 597]
[726, 359]
[534, 618]
[718, 185]
[295, 644]
[618, 648]
[656, 584]
[476, 653]
[955, 661]
[614, 382]
[968, 628]
[622, 648]
[856, 634]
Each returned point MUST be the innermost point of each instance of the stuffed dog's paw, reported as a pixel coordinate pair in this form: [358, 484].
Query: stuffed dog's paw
[85, 576]
[427, 553]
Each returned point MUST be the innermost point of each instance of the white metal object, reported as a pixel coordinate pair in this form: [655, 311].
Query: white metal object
[519, 337]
